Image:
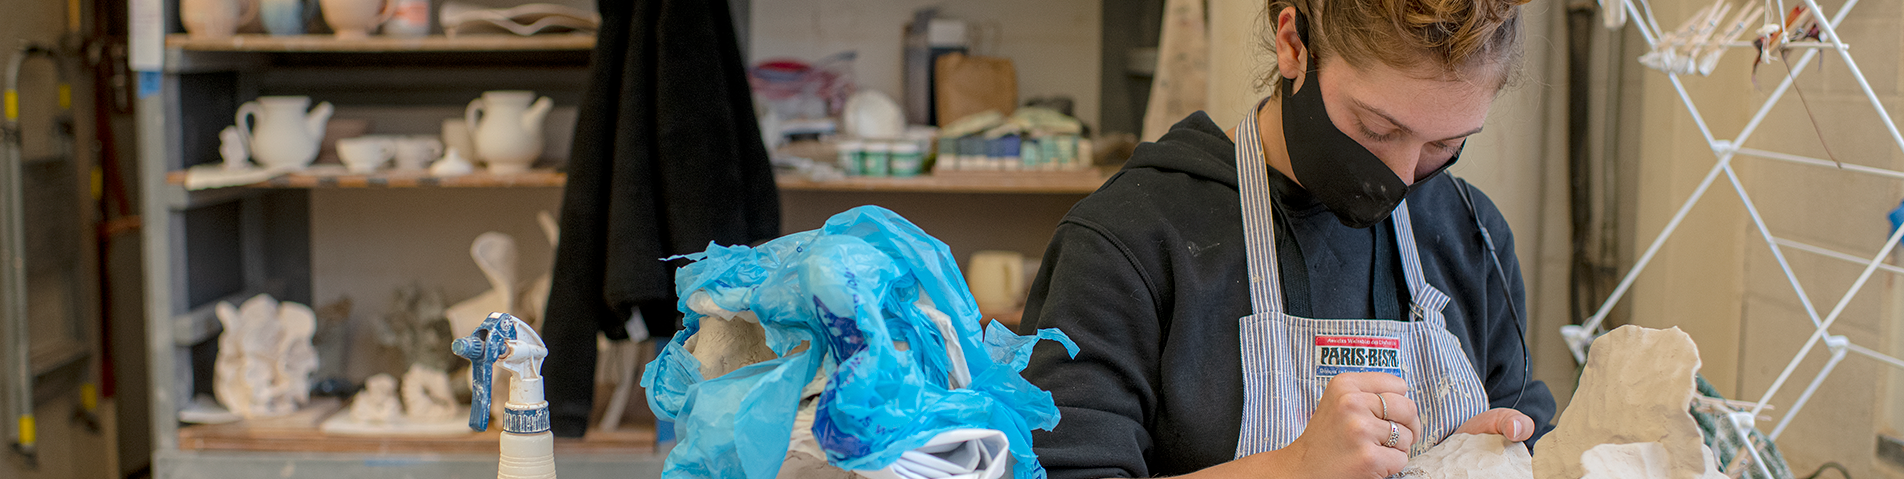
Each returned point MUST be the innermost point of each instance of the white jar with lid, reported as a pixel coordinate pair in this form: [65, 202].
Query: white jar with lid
[849, 154]
[874, 161]
[907, 159]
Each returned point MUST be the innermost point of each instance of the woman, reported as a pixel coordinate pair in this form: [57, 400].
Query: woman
[1191, 278]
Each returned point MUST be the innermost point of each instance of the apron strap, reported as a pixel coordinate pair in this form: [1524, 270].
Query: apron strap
[1265, 284]
[1258, 218]
[1428, 301]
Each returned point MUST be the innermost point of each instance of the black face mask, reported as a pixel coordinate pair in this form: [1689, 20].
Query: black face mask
[1347, 178]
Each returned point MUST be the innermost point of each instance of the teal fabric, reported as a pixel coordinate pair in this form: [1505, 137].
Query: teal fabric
[1726, 444]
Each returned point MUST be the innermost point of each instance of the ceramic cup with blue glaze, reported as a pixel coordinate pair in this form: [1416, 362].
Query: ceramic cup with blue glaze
[282, 17]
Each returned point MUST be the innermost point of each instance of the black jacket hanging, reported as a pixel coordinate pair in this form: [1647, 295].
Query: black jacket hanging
[667, 158]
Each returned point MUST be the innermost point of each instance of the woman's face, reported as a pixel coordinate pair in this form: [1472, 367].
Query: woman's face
[1414, 120]
[1415, 123]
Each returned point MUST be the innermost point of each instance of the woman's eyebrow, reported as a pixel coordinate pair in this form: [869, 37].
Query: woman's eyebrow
[1398, 124]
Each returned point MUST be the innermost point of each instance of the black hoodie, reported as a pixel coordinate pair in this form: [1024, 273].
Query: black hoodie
[1148, 276]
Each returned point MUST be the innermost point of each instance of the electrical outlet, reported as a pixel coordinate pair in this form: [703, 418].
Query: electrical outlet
[1891, 450]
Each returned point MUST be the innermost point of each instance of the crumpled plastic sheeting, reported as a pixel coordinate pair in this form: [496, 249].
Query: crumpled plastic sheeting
[834, 302]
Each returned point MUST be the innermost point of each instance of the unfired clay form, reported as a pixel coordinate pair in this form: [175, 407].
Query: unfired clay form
[377, 403]
[727, 340]
[1472, 456]
[426, 394]
[1635, 390]
[265, 357]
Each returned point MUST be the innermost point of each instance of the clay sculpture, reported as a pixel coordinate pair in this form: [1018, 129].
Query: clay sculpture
[1629, 417]
[1472, 456]
[377, 404]
[265, 358]
[426, 394]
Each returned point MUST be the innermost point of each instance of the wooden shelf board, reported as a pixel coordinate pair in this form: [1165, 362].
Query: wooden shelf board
[1077, 183]
[378, 43]
[1082, 182]
[530, 179]
[299, 433]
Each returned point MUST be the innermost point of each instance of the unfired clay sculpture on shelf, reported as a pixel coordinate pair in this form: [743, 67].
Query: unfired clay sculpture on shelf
[1472, 456]
[1629, 417]
[426, 394]
[377, 403]
[265, 358]
[377, 410]
[416, 327]
[297, 359]
[497, 256]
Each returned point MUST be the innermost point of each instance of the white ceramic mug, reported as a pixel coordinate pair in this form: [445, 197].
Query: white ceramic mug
[365, 154]
[353, 19]
[215, 18]
[417, 151]
[408, 18]
[997, 280]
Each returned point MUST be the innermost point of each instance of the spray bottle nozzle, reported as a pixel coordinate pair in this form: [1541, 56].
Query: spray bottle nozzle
[483, 348]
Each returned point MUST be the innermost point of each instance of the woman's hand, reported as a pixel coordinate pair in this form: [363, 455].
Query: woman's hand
[1345, 436]
[1503, 421]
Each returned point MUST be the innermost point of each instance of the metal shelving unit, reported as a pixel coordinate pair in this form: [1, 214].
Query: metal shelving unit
[228, 244]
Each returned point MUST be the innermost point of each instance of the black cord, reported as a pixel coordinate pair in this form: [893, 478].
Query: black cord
[1830, 465]
[1461, 189]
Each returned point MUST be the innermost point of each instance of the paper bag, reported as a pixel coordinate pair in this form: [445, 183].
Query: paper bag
[968, 84]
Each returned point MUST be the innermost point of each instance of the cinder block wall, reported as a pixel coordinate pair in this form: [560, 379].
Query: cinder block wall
[1719, 281]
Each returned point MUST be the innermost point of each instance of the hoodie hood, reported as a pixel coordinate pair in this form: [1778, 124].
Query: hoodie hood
[1196, 146]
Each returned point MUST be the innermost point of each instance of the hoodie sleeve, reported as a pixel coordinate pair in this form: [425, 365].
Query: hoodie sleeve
[1090, 288]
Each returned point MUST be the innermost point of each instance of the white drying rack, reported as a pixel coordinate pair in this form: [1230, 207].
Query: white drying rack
[1698, 43]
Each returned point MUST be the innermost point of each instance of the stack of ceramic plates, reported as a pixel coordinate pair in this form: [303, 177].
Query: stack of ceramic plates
[527, 19]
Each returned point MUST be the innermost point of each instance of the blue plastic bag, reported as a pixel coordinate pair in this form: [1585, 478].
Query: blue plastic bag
[850, 302]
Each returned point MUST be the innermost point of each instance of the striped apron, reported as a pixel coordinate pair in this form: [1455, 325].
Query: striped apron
[1287, 360]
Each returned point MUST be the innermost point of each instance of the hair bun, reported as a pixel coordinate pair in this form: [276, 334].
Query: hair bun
[1456, 29]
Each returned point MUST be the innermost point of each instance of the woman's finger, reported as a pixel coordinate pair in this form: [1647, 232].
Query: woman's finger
[1511, 423]
[1378, 431]
[1403, 411]
[1370, 383]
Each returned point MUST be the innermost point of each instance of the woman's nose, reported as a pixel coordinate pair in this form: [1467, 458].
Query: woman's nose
[1405, 162]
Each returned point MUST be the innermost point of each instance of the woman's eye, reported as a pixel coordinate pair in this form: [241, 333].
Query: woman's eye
[1373, 136]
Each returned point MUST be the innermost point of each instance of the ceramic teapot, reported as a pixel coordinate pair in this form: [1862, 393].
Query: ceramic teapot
[286, 136]
[509, 136]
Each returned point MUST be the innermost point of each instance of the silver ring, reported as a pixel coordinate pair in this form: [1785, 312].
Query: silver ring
[1394, 435]
[1378, 397]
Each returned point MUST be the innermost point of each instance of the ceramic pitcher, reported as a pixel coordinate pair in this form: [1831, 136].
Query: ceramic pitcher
[215, 18]
[353, 18]
[286, 136]
[509, 135]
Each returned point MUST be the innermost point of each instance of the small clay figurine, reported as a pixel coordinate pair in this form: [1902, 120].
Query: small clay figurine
[377, 403]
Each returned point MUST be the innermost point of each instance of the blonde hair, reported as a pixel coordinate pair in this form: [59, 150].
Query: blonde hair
[1448, 36]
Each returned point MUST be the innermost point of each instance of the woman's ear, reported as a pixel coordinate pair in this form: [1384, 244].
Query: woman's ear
[1292, 53]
